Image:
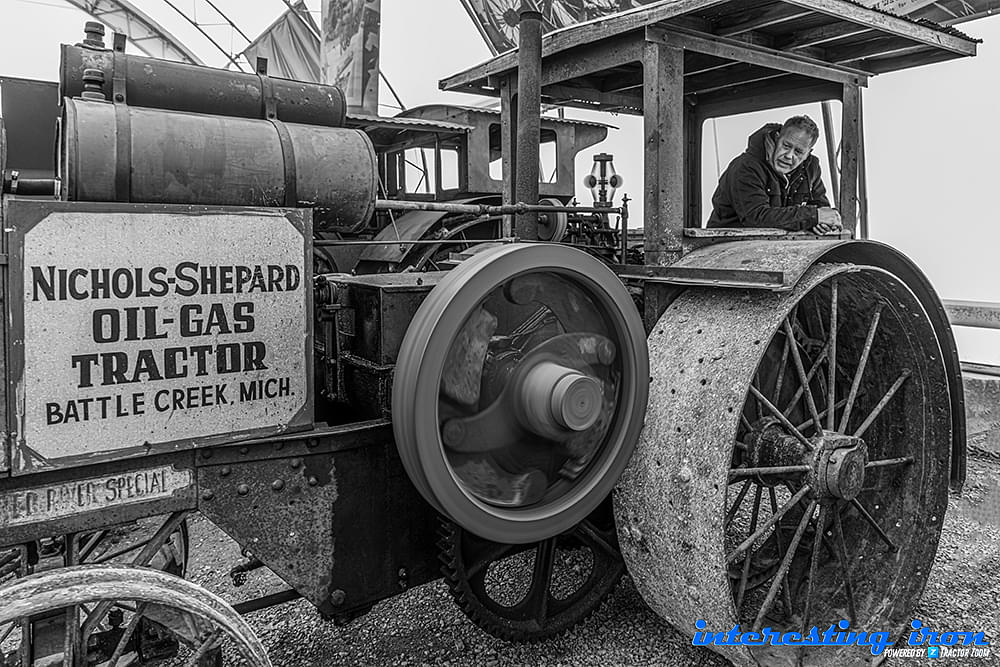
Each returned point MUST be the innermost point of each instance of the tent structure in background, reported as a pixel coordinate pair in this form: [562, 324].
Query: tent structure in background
[497, 20]
[291, 46]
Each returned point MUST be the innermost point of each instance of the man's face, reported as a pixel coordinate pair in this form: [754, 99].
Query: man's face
[790, 149]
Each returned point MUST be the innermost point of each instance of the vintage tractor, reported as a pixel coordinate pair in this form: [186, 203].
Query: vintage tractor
[218, 313]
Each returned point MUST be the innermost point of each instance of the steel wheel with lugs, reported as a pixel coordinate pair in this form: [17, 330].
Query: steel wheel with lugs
[793, 471]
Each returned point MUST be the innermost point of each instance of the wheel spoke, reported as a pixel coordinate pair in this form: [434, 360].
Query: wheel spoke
[9, 557]
[814, 562]
[882, 403]
[845, 565]
[71, 636]
[731, 514]
[782, 418]
[809, 377]
[749, 556]
[780, 380]
[92, 543]
[126, 635]
[6, 633]
[149, 549]
[120, 552]
[491, 554]
[598, 543]
[780, 541]
[204, 648]
[819, 316]
[884, 463]
[773, 470]
[874, 524]
[767, 524]
[862, 363]
[806, 423]
[786, 562]
[802, 376]
[831, 396]
[538, 596]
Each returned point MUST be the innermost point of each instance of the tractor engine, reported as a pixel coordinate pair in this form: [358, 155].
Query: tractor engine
[219, 210]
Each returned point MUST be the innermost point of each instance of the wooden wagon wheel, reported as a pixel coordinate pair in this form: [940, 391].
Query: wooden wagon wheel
[154, 594]
[113, 631]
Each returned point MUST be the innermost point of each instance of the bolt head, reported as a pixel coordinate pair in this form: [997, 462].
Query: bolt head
[278, 484]
[243, 489]
[338, 597]
[453, 432]
[207, 494]
[225, 472]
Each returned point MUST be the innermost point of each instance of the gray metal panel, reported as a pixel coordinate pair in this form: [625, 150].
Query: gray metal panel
[774, 265]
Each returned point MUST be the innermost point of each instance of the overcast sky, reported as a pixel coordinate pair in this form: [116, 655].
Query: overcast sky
[933, 141]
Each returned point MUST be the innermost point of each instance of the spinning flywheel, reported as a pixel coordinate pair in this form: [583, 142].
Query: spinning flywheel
[520, 391]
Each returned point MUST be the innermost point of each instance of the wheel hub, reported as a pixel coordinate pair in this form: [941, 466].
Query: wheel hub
[554, 397]
[834, 467]
[840, 466]
[768, 445]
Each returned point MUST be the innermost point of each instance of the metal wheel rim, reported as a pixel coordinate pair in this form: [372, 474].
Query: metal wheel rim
[81, 584]
[414, 403]
[699, 592]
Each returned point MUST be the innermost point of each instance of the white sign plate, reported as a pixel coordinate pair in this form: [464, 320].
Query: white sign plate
[45, 503]
[147, 328]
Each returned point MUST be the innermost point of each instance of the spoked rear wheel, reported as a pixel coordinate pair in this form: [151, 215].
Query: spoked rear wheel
[815, 489]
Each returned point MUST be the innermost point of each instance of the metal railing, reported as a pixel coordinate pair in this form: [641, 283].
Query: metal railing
[977, 315]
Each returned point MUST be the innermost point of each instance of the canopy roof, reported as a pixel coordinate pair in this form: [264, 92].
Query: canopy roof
[732, 48]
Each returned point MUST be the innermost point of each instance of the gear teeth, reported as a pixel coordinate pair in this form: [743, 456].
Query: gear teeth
[603, 580]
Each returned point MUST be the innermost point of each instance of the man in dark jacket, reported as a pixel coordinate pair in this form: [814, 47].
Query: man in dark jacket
[776, 183]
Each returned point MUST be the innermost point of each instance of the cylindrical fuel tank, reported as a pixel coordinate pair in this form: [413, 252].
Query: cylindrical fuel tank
[163, 84]
[121, 153]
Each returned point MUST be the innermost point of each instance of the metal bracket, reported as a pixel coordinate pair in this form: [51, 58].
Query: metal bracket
[123, 122]
[269, 109]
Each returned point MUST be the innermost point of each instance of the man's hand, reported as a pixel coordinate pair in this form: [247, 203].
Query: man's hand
[828, 221]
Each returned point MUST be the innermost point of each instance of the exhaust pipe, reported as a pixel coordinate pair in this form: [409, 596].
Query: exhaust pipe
[529, 104]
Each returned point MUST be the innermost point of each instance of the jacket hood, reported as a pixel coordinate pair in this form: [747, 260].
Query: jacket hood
[761, 142]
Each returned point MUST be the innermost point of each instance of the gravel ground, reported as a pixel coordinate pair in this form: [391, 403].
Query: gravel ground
[424, 626]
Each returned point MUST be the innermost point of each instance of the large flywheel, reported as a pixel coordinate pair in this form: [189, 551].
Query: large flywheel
[793, 471]
[519, 391]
